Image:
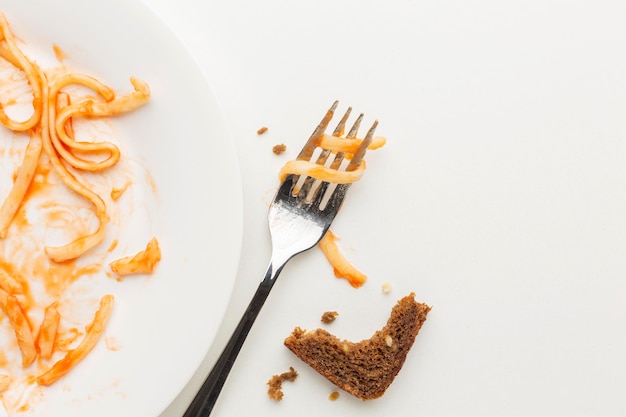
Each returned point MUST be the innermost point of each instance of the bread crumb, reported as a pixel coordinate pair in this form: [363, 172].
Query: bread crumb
[386, 287]
[333, 395]
[280, 148]
[261, 130]
[275, 383]
[329, 316]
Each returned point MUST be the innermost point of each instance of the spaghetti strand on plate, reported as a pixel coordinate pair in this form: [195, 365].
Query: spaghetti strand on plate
[59, 99]
[12, 53]
[50, 123]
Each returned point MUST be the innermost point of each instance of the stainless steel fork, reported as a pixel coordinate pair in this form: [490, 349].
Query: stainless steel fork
[299, 216]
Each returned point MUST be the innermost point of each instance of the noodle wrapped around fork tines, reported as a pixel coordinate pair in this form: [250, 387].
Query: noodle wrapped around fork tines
[336, 150]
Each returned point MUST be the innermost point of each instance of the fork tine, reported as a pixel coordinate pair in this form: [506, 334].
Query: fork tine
[309, 186]
[312, 190]
[334, 197]
[316, 199]
[337, 191]
[342, 123]
[305, 188]
[351, 135]
[307, 150]
[355, 127]
[323, 157]
[360, 153]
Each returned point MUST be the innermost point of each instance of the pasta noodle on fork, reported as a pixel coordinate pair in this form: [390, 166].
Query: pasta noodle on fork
[336, 144]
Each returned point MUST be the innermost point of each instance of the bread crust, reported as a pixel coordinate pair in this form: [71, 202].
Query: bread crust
[365, 369]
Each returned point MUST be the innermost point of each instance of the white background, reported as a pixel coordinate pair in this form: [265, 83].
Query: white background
[499, 200]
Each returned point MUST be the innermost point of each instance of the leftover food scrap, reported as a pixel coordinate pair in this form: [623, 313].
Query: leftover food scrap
[279, 149]
[141, 263]
[367, 368]
[329, 316]
[275, 390]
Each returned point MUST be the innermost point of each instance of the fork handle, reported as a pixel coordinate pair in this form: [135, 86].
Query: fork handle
[206, 397]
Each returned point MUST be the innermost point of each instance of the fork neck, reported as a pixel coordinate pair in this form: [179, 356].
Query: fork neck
[277, 262]
[273, 270]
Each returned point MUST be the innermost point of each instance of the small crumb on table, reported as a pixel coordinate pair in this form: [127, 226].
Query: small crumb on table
[280, 148]
[261, 130]
[386, 287]
[275, 383]
[329, 316]
[333, 395]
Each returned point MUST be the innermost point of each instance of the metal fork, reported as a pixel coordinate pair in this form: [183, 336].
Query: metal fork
[299, 216]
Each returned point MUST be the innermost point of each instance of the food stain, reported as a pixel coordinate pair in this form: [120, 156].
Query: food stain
[59, 53]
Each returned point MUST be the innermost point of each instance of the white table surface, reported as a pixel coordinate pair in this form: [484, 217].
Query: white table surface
[507, 140]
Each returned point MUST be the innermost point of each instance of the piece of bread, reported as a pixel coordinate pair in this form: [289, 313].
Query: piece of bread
[367, 368]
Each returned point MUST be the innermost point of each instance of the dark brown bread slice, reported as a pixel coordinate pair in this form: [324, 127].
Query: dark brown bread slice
[367, 368]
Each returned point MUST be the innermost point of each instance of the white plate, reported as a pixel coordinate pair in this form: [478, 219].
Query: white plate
[162, 325]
